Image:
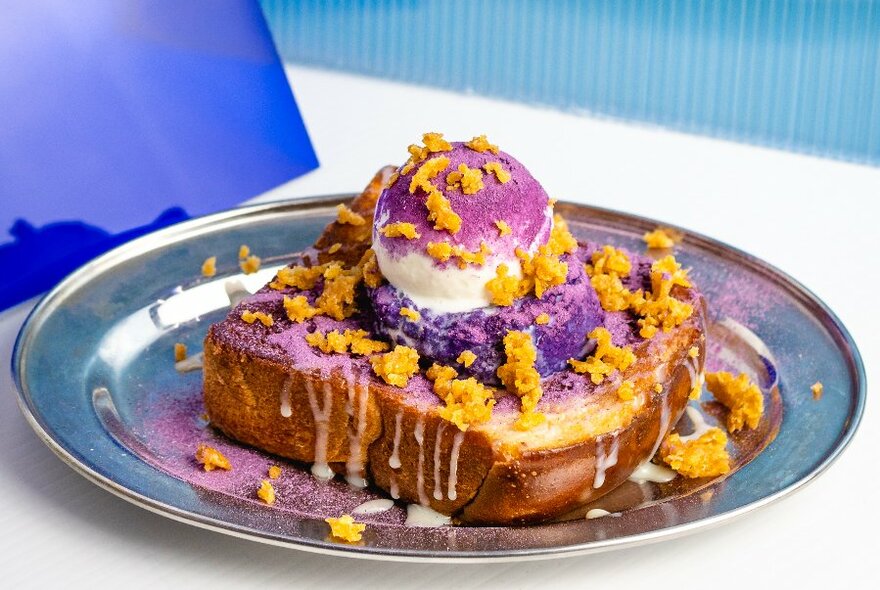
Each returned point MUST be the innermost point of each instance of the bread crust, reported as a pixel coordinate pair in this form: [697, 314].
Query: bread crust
[364, 428]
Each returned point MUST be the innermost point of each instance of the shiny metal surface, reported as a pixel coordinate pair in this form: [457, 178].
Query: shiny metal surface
[93, 359]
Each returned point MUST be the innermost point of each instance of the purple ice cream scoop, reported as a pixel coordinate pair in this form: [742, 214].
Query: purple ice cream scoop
[573, 309]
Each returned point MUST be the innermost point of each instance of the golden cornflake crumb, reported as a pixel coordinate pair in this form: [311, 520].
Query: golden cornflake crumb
[705, 456]
[179, 352]
[334, 248]
[498, 170]
[337, 298]
[266, 492]
[345, 215]
[250, 265]
[426, 173]
[561, 241]
[467, 400]
[441, 251]
[274, 472]
[658, 387]
[605, 359]
[482, 145]
[345, 528]
[659, 309]
[609, 260]
[300, 277]
[541, 271]
[504, 288]
[503, 228]
[468, 180]
[209, 267]
[354, 341]
[693, 352]
[542, 319]
[400, 230]
[211, 459]
[626, 391]
[410, 314]
[243, 251]
[519, 376]
[299, 309]
[658, 239]
[435, 142]
[396, 367]
[252, 316]
[742, 397]
[817, 388]
[466, 358]
[441, 213]
[370, 269]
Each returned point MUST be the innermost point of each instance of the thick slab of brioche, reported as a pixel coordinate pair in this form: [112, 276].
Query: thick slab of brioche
[492, 473]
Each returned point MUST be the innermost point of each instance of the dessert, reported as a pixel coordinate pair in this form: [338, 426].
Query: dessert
[449, 341]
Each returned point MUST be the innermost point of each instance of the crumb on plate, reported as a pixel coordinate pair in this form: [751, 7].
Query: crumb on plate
[345, 528]
[210, 458]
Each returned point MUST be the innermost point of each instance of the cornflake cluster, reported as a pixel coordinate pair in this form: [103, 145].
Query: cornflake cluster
[606, 358]
[467, 400]
[520, 376]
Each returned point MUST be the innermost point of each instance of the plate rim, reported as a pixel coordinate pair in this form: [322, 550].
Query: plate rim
[235, 216]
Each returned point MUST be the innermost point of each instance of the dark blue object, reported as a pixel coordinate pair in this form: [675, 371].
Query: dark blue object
[115, 111]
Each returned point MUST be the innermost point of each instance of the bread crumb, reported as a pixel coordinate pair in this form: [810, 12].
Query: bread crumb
[179, 352]
[209, 267]
[344, 215]
[482, 145]
[243, 251]
[466, 358]
[503, 228]
[250, 265]
[274, 472]
[498, 170]
[252, 316]
[211, 459]
[606, 358]
[356, 341]
[334, 248]
[693, 352]
[396, 367]
[400, 230]
[659, 239]
[410, 314]
[266, 492]
[345, 528]
[817, 389]
[742, 397]
[519, 375]
[705, 456]
[542, 319]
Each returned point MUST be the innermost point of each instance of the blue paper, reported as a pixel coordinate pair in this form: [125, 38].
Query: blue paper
[114, 112]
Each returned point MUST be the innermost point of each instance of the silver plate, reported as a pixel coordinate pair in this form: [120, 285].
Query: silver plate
[94, 369]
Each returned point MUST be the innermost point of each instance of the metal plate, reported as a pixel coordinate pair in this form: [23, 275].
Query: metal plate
[94, 368]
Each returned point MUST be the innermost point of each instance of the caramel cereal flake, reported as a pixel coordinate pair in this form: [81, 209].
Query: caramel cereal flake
[705, 456]
[400, 230]
[211, 459]
[250, 265]
[817, 389]
[693, 352]
[179, 352]
[519, 376]
[243, 251]
[467, 400]
[410, 314]
[466, 358]
[468, 180]
[345, 528]
[251, 316]
[658, 239]
[482, 145]
[266, 492]
[606, 358]
[498, 170]
[542, 319]
[742, 397]
[345, 215]
[396, 367]
[274, 472]
[503, 228]
[209, 267]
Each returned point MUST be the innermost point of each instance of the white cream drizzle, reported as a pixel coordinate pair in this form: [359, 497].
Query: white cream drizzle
[235, 291]
[285, 409]
[374, 506]
[652, 472]
[419, 435]
[392, 486]
[664, 424]
[604, 461]
[699, 422]
[394, 460]
[451, 485]
[354, 467]
[321, 416]
[438, 446]
[191, 363]
[596, 513]
[422, 516]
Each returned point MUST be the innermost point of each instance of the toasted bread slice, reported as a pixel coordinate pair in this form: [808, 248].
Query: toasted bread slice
[266, 387]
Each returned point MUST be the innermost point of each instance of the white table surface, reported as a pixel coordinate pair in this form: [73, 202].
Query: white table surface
[815, 219]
